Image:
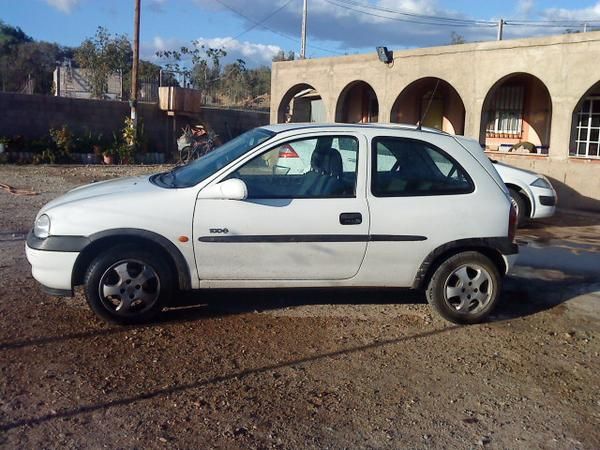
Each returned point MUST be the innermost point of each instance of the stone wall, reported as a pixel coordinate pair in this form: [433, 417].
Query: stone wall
[32, 116]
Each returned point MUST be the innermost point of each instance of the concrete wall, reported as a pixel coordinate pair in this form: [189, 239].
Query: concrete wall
[566, 65]
[32, 116]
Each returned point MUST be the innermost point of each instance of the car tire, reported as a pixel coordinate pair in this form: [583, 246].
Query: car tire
[521, 205]
[465, 288]
[128, 285]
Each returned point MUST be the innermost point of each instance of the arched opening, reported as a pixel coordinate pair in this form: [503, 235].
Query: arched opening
[301, 103]
[357, 104]
[432, 102]
[585, 128]
[516, 115]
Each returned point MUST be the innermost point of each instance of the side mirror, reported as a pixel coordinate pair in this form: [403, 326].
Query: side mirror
[232, 189]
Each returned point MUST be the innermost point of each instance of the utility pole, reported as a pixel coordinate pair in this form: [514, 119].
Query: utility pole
[303, 39]
[136, 60]
[500, 29]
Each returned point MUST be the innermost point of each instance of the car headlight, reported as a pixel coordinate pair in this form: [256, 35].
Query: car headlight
[41, 229]
[542, 183]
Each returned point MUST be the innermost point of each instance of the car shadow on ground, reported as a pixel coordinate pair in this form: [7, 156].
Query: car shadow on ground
[524, 296]
[563, 219]
[521, 296]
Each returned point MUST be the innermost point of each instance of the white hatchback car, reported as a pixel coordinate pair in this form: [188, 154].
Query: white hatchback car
[534, 196]
[402, 207]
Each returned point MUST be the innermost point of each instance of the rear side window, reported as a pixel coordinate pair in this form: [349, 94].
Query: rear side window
[409, 167]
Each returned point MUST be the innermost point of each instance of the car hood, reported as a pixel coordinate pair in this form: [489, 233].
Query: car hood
[116, 187]
[510, 172]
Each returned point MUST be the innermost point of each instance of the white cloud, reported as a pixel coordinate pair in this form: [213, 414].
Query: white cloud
[583, 14]
[253, 54]
[524, 8]
[157, 6]
[65, 6]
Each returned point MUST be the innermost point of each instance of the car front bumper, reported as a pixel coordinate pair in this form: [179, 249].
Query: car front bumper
[53, 269]
[545, 202]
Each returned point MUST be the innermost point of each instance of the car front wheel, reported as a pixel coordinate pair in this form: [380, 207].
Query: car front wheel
[127, 285]
[465, 288]
[520, 205]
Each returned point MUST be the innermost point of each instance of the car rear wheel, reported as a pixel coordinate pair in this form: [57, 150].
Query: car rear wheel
[127, 285]
[465, 288]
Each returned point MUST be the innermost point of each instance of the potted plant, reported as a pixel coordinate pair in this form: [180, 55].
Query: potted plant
[129, 135]
[63, 141]
[126, 153]
[108, 155]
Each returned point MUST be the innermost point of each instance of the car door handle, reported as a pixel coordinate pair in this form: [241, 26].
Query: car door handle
[353, 218]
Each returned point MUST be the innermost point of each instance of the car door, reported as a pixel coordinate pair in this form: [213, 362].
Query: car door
[304, 218]
[420, 198]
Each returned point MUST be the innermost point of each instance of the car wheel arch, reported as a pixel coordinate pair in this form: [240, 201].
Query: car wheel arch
[149, 240]
[524, 195]
[442, 253]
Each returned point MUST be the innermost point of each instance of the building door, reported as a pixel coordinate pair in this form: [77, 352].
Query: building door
[434, 116]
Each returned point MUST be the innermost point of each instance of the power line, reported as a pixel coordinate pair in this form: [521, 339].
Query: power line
[224, 43]
[425, 19]
[256, 24]
[548, 24]
[285, 35]
[422, 22]
[456, 20]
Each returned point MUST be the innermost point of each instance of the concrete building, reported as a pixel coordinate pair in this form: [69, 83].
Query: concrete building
[74, 83]
[534, 103]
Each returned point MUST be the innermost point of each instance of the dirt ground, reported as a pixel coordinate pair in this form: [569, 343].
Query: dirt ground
[302, 369]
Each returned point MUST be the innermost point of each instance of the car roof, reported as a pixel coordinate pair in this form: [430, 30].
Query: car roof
[281, 127]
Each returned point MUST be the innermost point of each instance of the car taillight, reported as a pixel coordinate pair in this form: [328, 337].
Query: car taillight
[512, 221]
[286, 151]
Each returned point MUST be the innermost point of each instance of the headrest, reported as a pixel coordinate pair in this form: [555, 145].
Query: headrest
[327, 161]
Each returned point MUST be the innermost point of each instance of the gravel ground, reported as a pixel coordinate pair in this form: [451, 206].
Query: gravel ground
[302, 369]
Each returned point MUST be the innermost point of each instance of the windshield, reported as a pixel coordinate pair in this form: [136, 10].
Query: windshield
[200, 169]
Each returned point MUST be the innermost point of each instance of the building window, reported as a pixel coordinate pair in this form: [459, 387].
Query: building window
[506, 113]
[587, 141]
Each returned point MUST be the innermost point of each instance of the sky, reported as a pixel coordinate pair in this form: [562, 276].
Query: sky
[255, 30]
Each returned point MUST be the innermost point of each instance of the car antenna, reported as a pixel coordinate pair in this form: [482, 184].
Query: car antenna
[428, 105]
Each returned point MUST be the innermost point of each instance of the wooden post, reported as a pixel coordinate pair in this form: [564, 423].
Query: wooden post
[136, 60]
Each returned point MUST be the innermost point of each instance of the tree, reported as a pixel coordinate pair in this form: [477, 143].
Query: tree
[22, 59]
[103, 55]
[232, 84]
[281, 56]
[199, 65]
[235, 81]
[259, 81]
[456, 38]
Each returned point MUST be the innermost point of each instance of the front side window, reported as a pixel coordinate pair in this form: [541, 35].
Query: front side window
[318, 167]
[408, 167]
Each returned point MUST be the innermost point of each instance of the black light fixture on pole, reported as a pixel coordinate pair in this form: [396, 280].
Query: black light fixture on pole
[385, 56]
